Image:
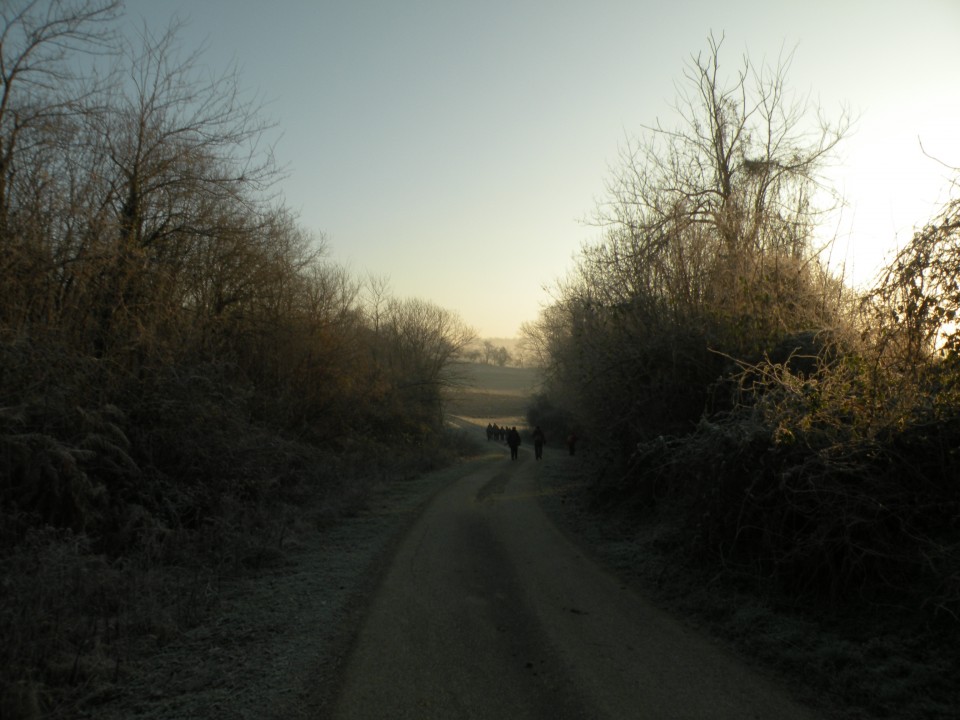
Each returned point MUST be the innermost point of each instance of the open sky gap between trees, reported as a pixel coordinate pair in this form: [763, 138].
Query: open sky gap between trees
[185, 374]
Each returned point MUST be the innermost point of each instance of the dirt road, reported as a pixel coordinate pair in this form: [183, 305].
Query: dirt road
[488, 611]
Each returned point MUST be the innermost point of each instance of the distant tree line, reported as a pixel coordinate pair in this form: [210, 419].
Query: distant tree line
[488, 352]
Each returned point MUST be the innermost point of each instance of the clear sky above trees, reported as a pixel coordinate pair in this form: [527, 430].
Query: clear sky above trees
[458, 147]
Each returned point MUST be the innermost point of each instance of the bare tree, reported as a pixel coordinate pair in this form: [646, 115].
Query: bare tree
[44, 52]
[720, 211]
[183, 167]
[709, 244]
[375, 297]
[40, 42]
[489, 351]
[915, 306]
[419, 344]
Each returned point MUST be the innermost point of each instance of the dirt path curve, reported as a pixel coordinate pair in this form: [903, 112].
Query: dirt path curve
[488, 611]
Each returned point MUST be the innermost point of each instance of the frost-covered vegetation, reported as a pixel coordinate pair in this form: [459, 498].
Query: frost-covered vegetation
[185, 381]
[800, 440]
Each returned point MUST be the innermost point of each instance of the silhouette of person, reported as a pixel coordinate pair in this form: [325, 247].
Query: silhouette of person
[513, 440]
[538, 440]
[572, 443]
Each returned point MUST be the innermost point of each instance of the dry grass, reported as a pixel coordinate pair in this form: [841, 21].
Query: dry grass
[494, 394]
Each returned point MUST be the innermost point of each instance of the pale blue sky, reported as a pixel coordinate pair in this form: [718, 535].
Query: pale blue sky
[455, 147]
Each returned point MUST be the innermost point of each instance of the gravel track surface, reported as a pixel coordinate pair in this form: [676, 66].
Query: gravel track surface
[488, 611]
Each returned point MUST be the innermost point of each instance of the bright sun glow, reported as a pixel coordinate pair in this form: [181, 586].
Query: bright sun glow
[896, 177]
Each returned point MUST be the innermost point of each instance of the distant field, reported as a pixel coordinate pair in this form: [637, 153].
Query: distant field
[493, 394]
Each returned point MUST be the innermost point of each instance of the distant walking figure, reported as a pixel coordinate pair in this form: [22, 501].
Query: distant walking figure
[513, 440]
[538, 440]
[489, 432]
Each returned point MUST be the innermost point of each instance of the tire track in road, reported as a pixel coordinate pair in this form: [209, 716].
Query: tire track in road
[448, 635]
[488, 611]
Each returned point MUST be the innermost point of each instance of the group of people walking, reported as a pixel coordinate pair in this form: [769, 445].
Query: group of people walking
[495, 432]
[512, 437]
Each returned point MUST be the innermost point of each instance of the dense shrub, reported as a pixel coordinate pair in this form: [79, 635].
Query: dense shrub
[795, 436]
[117, 519]
[812, 490]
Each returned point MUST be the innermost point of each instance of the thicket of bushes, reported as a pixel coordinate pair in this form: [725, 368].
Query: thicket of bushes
[799, 437]
[185, 382]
